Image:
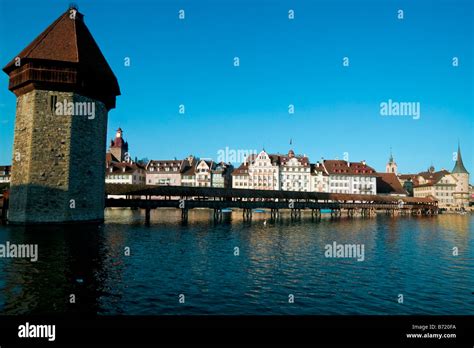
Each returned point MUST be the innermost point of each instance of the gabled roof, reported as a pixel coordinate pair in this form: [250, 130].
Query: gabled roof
[243, 169]
[388, 183]
[433, 177]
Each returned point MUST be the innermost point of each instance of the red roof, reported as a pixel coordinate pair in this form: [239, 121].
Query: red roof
[431, 178]
[349, 168]
[123, 168]
[388, 183]
[243, 169]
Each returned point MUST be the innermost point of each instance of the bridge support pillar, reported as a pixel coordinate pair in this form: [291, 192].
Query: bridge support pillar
[217, 214]
[335, 213]
[147, 216]
[184, 215]
[247, 214]
[316, 214]
[365, 212]
[274, 214]
[295, 214]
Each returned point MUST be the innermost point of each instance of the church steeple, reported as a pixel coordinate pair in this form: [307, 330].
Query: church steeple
[119, 147]
[459, 166]
[391, 166]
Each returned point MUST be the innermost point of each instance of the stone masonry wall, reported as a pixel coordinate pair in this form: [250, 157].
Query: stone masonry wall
[58, 161]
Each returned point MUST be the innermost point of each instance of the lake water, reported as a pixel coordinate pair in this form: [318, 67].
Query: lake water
[409, 256]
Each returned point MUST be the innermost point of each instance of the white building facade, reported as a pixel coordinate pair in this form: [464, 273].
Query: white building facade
[164, 172]
[351, 177]
[264, 172]
[295, 173]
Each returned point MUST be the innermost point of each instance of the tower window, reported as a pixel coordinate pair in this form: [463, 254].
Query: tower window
[53, 102]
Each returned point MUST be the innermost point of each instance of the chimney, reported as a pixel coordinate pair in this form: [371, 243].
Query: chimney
[363, 162]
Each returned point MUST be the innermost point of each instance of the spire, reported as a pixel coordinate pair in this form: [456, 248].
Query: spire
[391, 156]
[459, 166]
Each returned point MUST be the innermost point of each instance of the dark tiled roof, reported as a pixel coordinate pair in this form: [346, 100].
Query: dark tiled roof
[190, 171]
[122, 168]
[315, 168]
[432, 177]
[243, 169]
[161, 165]
[66, 47]
[388, 183]
[302, 159]
[222, 167]
[407, 176]
[349, 168]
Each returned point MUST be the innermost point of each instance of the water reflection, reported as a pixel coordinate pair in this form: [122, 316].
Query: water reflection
[407, 255]
[70, 258]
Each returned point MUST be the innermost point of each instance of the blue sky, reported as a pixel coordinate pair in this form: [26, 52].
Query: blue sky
[282, 62]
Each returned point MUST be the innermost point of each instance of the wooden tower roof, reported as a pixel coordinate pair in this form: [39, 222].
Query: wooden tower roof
[64, 57]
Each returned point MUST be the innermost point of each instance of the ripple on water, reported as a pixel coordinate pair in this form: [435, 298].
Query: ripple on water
[405, 255]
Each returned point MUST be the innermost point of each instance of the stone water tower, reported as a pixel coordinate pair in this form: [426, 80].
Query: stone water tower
[64, 89]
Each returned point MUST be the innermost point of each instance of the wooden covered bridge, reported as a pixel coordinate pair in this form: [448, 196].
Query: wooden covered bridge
[151, 197]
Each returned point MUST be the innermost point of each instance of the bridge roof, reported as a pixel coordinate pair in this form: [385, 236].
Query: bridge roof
[150, 190]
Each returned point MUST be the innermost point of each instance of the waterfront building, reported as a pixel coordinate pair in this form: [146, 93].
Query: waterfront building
[264, 171]
[450, 189]
[351, 177]
[119, 148]
[388, 184]
[240, 177]
[125, 173]
[295, 172]
[164, 172]
[406, 180]
[188, 171]
[221, 175]
[203, 173]
[461, 192]
[319, 180]
[438, 184]
[64, 89]
[5, 173]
